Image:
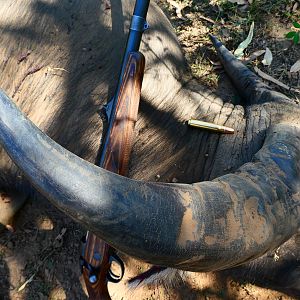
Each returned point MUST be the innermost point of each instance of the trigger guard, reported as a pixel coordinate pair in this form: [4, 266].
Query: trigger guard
[110, 275]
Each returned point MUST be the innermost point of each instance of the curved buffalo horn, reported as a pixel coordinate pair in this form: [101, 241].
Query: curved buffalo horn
[204, 226]
[201, 227]
[246, 82]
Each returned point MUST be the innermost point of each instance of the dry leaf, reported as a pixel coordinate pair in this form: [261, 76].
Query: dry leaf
[268, 57]
[295, 67]
[239, 52]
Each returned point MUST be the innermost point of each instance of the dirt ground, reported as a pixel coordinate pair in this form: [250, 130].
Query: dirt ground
[40, 260]
[231, 23]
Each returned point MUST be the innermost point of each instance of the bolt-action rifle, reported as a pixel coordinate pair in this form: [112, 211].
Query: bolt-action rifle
[121, 113]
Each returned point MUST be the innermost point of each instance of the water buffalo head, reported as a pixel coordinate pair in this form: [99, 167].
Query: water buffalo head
[204, 226]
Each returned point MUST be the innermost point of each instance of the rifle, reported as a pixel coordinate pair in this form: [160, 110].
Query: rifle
[121, 113]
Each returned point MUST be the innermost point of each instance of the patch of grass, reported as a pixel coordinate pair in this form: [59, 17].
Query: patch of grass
[258, 10]
[204, 69]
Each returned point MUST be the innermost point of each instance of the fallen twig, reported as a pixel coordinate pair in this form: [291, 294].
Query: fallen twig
[206, 19]
[273, 80]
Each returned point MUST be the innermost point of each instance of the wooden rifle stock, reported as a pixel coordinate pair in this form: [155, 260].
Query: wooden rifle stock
[97, 255]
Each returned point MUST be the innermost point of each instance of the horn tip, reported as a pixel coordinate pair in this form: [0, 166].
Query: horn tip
[216, 42]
